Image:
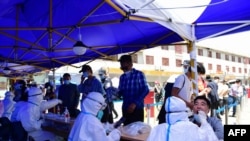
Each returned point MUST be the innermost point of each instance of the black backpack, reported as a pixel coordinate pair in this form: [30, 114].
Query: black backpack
[168, 89]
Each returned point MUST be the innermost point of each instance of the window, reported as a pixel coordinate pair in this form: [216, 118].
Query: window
[178, 63]
[178, 49]
[239, 70]
[227, 68]
[165, 61]
[226, 57]
[149, 60]
[245, 70]
[239, 59]
[209, 53]
[135, 58]
[210, 67]
[218, 68]
[233, 69]
[218, 55]
[164, 47]
[233, 58]
[200, 52]
[245, 60]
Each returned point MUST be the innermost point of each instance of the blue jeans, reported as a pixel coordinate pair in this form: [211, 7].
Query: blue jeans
[232, 100]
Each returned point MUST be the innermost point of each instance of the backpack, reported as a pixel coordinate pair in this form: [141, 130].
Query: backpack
[168, 89]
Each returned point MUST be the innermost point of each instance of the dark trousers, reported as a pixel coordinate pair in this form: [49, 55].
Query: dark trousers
[108, 113]
[214, 107]
[137, 115]
[222, 103]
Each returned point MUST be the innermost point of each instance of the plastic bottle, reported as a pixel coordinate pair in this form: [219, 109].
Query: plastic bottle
[66, 115]
[119, 122]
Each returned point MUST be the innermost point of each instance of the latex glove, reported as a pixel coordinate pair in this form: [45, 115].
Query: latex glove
[59, 101]
[115, 134]
[202, 116]
[197, 119]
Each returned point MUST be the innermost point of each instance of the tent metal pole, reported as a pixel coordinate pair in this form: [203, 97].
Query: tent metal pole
[194, 74]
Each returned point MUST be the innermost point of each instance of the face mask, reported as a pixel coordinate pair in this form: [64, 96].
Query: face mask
[85, 74]
[186, 69]
[99, 115]
[197, 118]
[66, 81]
[102, 77]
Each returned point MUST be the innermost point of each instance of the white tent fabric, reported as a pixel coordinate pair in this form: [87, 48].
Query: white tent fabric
[152, 9]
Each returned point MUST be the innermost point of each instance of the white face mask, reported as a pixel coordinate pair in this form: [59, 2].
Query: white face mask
[185, 69]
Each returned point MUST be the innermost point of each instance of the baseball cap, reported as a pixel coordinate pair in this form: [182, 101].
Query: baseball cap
[85, 68]
[186, 63]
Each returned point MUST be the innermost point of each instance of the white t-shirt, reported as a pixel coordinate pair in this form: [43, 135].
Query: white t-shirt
[185, 91]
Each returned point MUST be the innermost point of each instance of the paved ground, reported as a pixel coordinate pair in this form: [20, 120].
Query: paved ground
[242, 117]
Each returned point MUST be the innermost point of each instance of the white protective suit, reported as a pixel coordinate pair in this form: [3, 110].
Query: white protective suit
[8, 104]
[178, 127]
[30, 114]
[1, 108]
[87, 126]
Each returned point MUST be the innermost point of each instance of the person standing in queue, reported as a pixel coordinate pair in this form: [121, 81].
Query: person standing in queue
[110, 93]
[69, 94]
[133, 88]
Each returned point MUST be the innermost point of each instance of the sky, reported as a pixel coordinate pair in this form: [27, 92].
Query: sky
[238, 43]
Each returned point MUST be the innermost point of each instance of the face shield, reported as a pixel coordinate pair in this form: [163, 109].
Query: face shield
[35, 95]
[102, 105]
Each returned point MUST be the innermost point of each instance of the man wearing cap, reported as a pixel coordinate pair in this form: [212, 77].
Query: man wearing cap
[90, 83]
[133, 88]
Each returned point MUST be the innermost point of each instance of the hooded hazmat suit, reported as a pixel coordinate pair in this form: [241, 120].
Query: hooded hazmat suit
[178, 127]
[8, 104]
[87, 127]
[30, 114]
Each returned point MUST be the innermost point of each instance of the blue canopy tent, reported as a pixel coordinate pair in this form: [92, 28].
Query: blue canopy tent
[41, 33]
[231, 16]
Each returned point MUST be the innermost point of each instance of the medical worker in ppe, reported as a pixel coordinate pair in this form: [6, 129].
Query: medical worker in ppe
[178, 127]
[87, 126]
[30, 115]
[9, 104]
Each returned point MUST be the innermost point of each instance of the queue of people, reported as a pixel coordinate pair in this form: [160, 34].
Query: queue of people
[95, 95]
